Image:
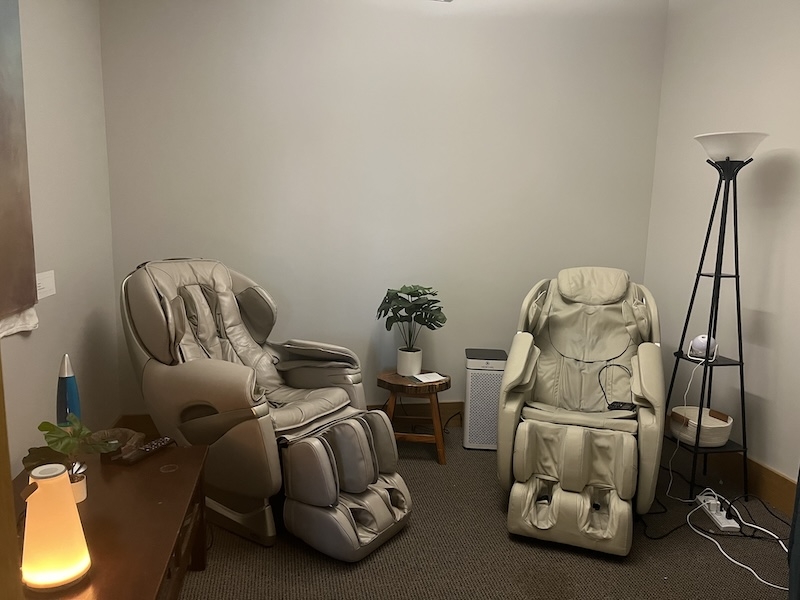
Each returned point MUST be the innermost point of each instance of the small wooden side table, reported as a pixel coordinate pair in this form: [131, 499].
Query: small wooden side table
[398, 385]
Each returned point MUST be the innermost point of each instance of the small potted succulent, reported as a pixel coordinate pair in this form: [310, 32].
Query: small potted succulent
[411, 308]
[64, 444]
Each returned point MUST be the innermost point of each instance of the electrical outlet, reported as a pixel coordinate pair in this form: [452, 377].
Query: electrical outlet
[711, 505]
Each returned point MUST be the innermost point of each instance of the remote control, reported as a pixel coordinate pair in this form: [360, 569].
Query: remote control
[621, 406]
[149, 449]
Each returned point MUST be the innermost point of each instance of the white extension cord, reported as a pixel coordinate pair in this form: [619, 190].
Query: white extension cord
[713, 509]
[703, 498]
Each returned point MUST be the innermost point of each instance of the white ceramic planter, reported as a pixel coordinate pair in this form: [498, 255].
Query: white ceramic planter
[79, 489]
[409, 363]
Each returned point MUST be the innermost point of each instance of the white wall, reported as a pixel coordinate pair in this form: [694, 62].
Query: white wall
[732, 65]
[333, 149]
[71, 222]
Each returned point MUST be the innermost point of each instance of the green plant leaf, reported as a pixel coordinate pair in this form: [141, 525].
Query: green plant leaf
[410, 308]
[59, 439]
[73, 439]
[44, 455]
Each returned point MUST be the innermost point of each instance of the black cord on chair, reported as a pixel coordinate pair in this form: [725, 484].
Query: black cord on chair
[600, 382]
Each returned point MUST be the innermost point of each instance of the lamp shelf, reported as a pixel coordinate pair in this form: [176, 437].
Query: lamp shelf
[720, 361]
[730, 446]
[721, 275]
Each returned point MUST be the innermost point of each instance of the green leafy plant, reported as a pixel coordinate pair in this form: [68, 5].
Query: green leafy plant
[411, 308]
[64, 444]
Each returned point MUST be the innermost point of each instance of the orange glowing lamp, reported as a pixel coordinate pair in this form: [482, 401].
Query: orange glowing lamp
[54, 552]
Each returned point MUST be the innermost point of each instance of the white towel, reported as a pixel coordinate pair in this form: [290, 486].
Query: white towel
[22, 321]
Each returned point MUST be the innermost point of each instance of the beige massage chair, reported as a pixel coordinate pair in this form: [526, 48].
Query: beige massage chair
[289, 415]
[575, 465]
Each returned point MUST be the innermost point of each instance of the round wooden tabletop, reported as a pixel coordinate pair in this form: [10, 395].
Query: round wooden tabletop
[400, 384]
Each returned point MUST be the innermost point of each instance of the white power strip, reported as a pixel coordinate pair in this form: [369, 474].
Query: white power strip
[711, 505]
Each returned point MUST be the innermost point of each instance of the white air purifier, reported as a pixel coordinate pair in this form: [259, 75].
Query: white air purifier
[484, 375]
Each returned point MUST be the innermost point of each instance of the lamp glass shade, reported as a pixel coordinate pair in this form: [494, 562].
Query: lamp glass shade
[733, 145]
[54, 552]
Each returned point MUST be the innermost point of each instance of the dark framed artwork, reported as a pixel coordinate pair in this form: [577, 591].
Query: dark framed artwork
[17, 266]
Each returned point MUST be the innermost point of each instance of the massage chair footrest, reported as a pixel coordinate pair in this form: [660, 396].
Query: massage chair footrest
[574, 485]
[342, 494]
[595, 519]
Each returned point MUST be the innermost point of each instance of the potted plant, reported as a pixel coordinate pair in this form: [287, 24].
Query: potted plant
[64, 444]
[411, 308]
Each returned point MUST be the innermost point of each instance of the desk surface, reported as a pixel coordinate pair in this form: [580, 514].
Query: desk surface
[399, 384]
[132, 518]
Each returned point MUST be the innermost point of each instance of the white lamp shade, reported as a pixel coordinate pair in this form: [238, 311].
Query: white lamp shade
[54, 552]
[733, 145]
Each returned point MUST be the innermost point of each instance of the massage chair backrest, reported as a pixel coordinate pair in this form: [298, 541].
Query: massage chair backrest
[587, 321]
[183, 310]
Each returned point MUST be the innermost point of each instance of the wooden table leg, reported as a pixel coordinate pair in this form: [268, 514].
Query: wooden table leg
[198, 555]
[437, 429]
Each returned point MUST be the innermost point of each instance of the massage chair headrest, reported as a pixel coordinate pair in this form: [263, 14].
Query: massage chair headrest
[157, 311]
[593, 285]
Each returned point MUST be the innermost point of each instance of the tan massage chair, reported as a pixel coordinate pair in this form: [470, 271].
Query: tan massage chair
[575, 464]
[289, 415]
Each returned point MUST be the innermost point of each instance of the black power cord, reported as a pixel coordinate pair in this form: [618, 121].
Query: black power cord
[450, 418]
[602, 389]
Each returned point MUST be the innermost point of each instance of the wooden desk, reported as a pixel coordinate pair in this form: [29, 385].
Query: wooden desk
[399, 385]
[144, 526]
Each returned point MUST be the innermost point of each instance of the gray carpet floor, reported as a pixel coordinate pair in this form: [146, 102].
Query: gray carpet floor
[456, 546]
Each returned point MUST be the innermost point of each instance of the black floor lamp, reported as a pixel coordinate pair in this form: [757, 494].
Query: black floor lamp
[728, 153]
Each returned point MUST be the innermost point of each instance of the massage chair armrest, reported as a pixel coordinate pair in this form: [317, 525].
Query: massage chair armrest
[518, 379]
[650, 437]
[207, 397]
[221, 385]
[308, 352]
[647, 382]
[314, 365]
[313, 377]
[320, 375]
[647, 386]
